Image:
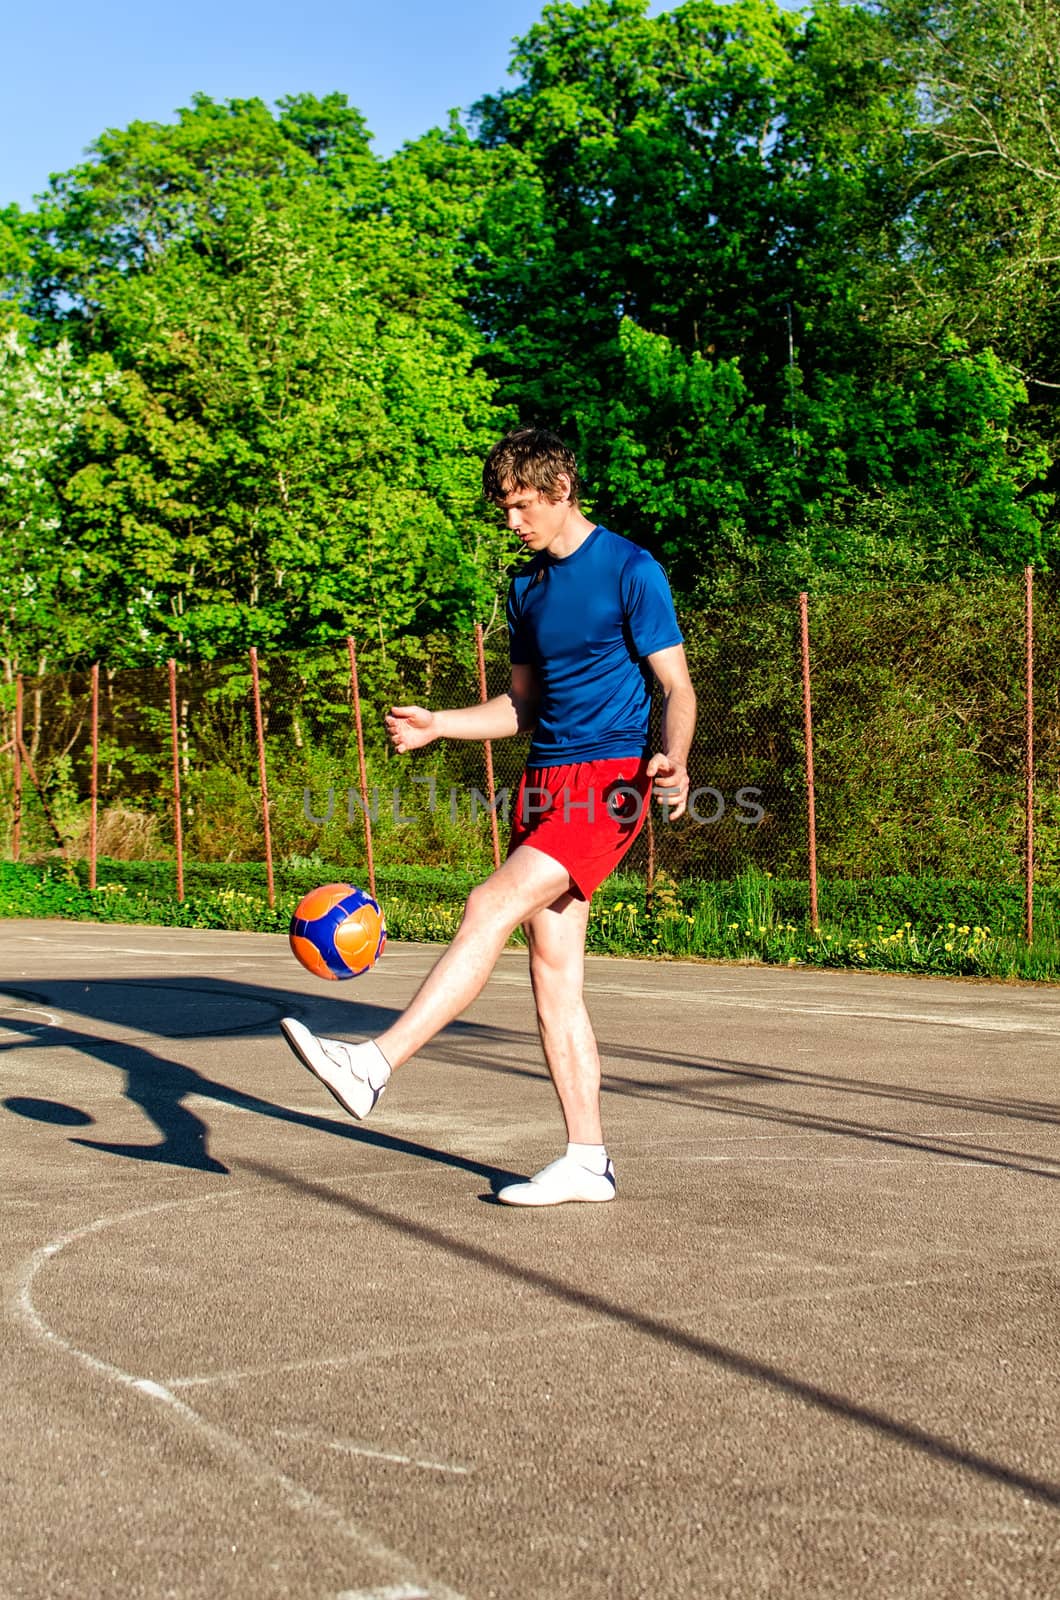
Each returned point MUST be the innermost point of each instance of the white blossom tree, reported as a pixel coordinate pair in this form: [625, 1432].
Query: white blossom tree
[44, 396]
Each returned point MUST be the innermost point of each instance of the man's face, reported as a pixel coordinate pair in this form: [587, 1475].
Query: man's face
[536, 519]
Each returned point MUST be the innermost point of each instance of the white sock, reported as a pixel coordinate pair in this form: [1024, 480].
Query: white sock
[374, 1064]
[593, 1157]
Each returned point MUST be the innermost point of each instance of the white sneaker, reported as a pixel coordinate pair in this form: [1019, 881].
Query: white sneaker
[346, 1070]
[562, 1180]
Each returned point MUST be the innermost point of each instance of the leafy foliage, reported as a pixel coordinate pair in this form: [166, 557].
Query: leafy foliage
[294, 452]
[44, 396]
[747, 919]
[789, 282]
[724, 224]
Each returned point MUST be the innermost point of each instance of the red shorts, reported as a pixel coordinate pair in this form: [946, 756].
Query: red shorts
[585, 816]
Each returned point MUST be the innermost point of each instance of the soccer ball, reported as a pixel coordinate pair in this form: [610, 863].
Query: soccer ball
[338, 931]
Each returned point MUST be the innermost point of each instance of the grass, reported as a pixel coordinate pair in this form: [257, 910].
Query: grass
[739, 921]
[751, 918]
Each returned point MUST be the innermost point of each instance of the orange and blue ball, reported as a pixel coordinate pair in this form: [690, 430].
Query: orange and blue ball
[338, 931]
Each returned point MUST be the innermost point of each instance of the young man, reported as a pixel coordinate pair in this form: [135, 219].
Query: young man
[590, 619]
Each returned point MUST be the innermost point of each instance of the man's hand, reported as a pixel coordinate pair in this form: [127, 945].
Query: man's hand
[410, 727]
[670, 786]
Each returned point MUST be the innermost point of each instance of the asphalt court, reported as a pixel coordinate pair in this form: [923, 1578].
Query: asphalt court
[251, 1347]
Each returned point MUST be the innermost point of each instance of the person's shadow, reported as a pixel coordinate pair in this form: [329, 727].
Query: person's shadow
[160, 1086]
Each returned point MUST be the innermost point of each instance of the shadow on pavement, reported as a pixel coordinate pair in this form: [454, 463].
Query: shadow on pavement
[217, 1008]
[904, 1433]
[63, 1116]
[159, 1085]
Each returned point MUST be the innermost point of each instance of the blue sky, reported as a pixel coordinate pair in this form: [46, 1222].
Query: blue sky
[76, 68]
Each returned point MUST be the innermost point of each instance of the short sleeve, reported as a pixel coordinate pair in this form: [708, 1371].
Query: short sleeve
[519, 652]
[648, 606]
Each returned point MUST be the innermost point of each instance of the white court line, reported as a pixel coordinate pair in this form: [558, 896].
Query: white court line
[209, 1102]
[850, 1161]
[957, 1528]
[19, 1302]
[50, 1017]
[102, 948]
[714, 997]
[399, 1591]
[722, 999]
[428, 1347]
[350, 1447]
[75, 953]
[181, 952]
[789, 1138]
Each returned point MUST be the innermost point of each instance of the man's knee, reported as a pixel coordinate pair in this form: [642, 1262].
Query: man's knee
[487, 907]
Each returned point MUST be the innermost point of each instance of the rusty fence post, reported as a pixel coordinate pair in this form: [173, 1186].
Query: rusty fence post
[16, 820]
[362, 770]
[1028, 882]
[649, 875]
[807, 723]
[178, 826]
[259, 728]
[480, 647]
[93, 783]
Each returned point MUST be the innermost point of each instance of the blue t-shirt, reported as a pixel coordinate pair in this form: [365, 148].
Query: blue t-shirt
[585, 622]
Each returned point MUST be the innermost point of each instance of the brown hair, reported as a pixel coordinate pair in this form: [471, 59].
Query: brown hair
[529, 458]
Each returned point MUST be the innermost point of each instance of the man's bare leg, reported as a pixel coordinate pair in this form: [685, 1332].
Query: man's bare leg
[557, 972]
[516, 892]
[357, 1074]
[557, 968]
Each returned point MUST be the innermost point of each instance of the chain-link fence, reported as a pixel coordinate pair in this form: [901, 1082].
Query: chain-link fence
[919, 733]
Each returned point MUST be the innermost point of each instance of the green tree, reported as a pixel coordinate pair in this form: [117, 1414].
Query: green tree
[787, 283]
[706, 281]
[296, 452]
[15, 265]
[985, 234]
[44, 398]
[649, 141]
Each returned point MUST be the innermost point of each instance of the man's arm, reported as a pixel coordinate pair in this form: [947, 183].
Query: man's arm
[669, 766]
[412, 727]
